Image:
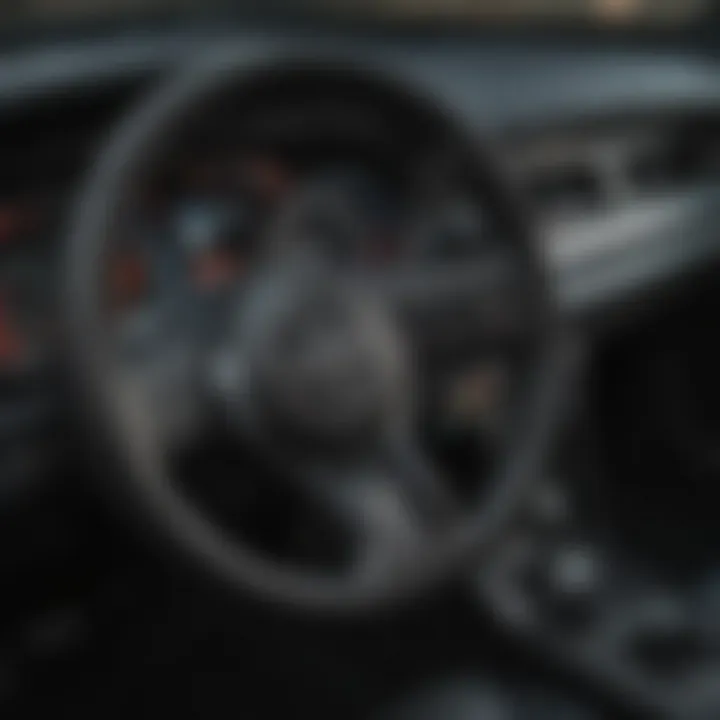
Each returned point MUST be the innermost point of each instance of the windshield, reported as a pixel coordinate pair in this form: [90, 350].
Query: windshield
[521, 12]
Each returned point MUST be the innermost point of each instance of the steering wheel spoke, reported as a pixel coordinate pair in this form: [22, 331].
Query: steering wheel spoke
[392, 502]
[166, 386]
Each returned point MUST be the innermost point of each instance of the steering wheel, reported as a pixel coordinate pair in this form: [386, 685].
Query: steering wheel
[320, 374]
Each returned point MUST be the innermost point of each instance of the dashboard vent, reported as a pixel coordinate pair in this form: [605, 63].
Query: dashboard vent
[578, 175]
[566, 189]
[681, 161]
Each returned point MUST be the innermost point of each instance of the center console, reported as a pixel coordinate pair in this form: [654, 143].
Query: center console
[613, 571]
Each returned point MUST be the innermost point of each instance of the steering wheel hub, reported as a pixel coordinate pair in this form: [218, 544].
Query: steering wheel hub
[326, 362]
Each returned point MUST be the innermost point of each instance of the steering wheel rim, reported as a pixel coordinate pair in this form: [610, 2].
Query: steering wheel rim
[143, 481]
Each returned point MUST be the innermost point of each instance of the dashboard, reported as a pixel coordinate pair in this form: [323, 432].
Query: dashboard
[618, 149]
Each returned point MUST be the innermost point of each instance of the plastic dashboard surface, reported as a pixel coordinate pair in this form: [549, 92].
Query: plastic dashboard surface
[493, 87]
[492, 84]
[498, 87]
